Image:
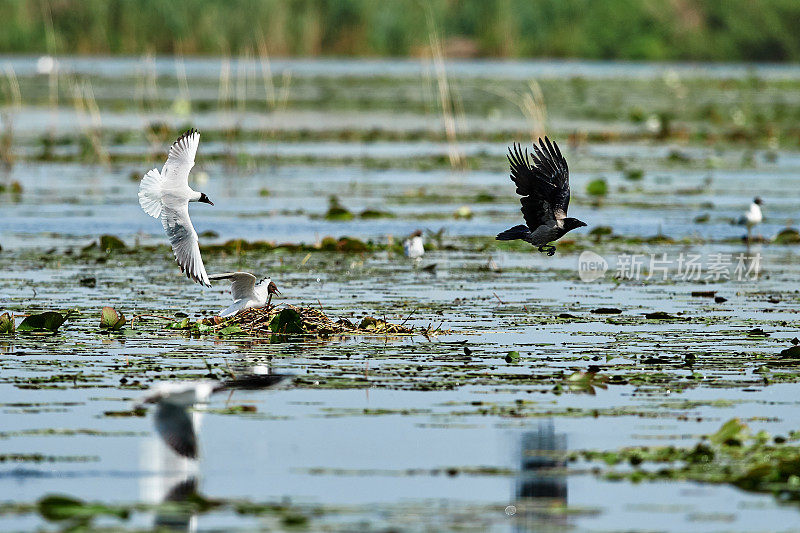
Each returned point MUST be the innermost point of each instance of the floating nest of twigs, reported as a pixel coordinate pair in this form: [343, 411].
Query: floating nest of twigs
[290, 320]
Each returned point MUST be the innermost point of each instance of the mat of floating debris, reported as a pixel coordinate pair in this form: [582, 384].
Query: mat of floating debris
[291, 320]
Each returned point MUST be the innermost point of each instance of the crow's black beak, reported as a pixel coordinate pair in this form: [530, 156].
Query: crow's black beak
[205, 199]
[272, 288]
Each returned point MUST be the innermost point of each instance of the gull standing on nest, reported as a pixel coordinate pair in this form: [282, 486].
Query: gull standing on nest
[166, 195]
[246, 292]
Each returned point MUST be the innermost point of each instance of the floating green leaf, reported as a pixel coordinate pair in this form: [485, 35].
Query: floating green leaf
[111, 319]
[200, 327]
[57, 508]
[231, 330]
[47, 321]
[732, 433]
[793, 351]
[288, 321]
[110, 242]
[787, 236]
[597, 187]
[6, 324]
[512, 357]
[180, 324]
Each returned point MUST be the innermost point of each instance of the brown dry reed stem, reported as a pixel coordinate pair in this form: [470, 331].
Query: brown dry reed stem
[183, 83]
[85, 104]
[266, 70]
[454, 152]
[531, 104]
[7, 141]
[223, 94]
[13, 86]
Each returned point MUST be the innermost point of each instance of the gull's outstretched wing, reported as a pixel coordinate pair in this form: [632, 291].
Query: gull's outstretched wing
[180, 159]
[242, 283]
[175, 427]
[544, 185]
[183, 238]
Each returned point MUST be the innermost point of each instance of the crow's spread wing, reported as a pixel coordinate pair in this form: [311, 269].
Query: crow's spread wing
[542, 179]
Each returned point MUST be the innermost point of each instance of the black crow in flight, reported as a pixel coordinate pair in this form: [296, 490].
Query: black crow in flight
[544, 187]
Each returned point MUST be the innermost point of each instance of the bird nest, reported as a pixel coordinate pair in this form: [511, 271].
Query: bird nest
[290, 320]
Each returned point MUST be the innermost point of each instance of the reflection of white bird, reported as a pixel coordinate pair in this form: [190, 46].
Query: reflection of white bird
[175, 424]
[174, 475]
[173, 421]
[413, 247]
[753, 216]
[246, 292]
[166, 195]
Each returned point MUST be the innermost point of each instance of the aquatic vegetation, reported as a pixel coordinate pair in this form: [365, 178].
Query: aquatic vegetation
[111, 319]
[375, 213]
[336, 211]
[787, 236]
[6, 324]
[597, 187]
[288, 320]
[48, 321]
[106, 244]
[733, 455]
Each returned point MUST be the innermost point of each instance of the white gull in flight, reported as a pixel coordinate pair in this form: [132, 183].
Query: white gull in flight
[166, 195]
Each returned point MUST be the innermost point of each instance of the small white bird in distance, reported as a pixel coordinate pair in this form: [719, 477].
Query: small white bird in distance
[166, 195]
[413, 247]
[753, 216]
[246, 292]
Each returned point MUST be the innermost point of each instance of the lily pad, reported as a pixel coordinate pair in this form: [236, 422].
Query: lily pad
[110, 242]
[607, 311]
[732, 433]
[787, 236]
[658, 315]
[180, 324]
[47, 321]
[6, 324]
[111, 319]
[288, 321]
[57, 508]
[597, 187]
[512, 357]
[793, 352]
[231, 330]
[703, 294]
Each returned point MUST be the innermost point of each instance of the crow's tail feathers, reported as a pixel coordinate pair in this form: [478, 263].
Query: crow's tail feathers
[517, 232]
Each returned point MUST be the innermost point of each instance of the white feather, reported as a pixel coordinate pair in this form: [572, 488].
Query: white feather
[150, 193]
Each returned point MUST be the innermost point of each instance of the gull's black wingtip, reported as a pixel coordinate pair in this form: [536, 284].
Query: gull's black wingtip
[187, 133]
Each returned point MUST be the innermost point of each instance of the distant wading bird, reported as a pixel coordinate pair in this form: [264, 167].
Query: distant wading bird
[246, 292]
[166, 195]
[752, 217]
[414, 246]
[544, 187]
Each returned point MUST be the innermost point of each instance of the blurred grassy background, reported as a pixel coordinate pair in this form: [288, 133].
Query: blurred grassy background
[729, 30]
